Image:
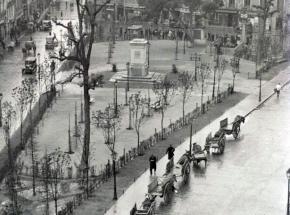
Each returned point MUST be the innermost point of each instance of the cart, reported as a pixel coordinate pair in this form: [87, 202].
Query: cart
[147, 207]
[198, 155]
[30, 27]
[50, 42]
[236, 126]
[215, 144]
[162, 186]
[46, 25]
[29, 46]
[30, 66]
[182, 167]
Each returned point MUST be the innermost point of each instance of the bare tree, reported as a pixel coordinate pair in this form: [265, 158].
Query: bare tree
[47, 77]
[221, 69]
[235, 64]
[163, 90]
[12, 179]
[56, 162]
[138, 107]
[83, 42]
[20, 95]
[264, 12]
[186, 83]
[109, 123]
[29, 85]
[204, 71]
[45, 174]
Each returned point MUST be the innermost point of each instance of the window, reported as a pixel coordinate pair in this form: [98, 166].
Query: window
[247, 3]
[232, 3]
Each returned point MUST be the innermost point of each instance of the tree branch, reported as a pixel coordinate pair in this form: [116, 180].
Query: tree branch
[100, 8]
[63, 58]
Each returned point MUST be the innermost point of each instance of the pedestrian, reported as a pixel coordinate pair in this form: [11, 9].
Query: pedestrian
[170, 152]
[277, 89]
[152, 162]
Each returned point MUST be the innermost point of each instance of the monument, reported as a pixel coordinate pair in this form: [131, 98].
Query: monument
[139, 51]
[137, 69]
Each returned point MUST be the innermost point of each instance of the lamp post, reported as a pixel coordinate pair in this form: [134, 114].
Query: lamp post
[288, 180]
[260, 84]
[148, 57]
[38, 59]
[176, 48]
[127, 85]
[130, 113]
[61, 39]
[196, 58]
[116, 97]
[1, 97]
[114, 156]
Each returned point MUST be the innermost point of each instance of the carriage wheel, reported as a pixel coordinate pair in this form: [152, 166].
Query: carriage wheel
[236, 132]
[186, 174]
[167, 192]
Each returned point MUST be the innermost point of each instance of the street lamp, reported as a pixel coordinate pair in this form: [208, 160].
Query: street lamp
[127, 85]
[260, 84]
[130, 112]
[38, 59]
[195, 58]
[148, 57]
[114, 156]
[116, 97]
[288, 178]
[1, 97]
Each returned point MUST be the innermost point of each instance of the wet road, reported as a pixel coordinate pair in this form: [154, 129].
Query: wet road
[13, 62]
[249, 179]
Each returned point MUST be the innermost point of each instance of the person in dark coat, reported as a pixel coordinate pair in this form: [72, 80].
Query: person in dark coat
[152, 162]
[170, 152]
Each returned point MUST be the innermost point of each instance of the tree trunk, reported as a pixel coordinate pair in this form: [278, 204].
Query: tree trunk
[32, 149]
[86, 148]
[201, 99]
[138, 142]
[21, 129]
[234, 83]
[183, 111]
[55, 205]
[162, 120]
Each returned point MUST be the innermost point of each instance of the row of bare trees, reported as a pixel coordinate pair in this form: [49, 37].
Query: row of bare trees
[53, 164]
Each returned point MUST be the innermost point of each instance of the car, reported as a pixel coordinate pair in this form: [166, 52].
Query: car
[30, 66]
[51, 42]
[30, 27]
[6, 207]
[46, 25]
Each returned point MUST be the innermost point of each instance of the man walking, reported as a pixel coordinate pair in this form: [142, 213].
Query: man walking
[152, 161]
[170, 152]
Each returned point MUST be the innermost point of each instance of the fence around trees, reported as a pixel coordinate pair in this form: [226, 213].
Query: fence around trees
[107, 172]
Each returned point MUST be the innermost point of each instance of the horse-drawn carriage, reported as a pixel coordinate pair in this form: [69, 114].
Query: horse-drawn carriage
[236, 126]
[30, 66]
[198, 155]
[29, 46]
[216, 144]
[164, 186]
[182, 167]
[50, 42]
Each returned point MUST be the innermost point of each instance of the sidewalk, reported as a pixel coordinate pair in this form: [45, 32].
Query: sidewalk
[135, 193]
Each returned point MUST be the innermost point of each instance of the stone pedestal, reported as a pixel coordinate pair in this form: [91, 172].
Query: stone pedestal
[139, 58]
